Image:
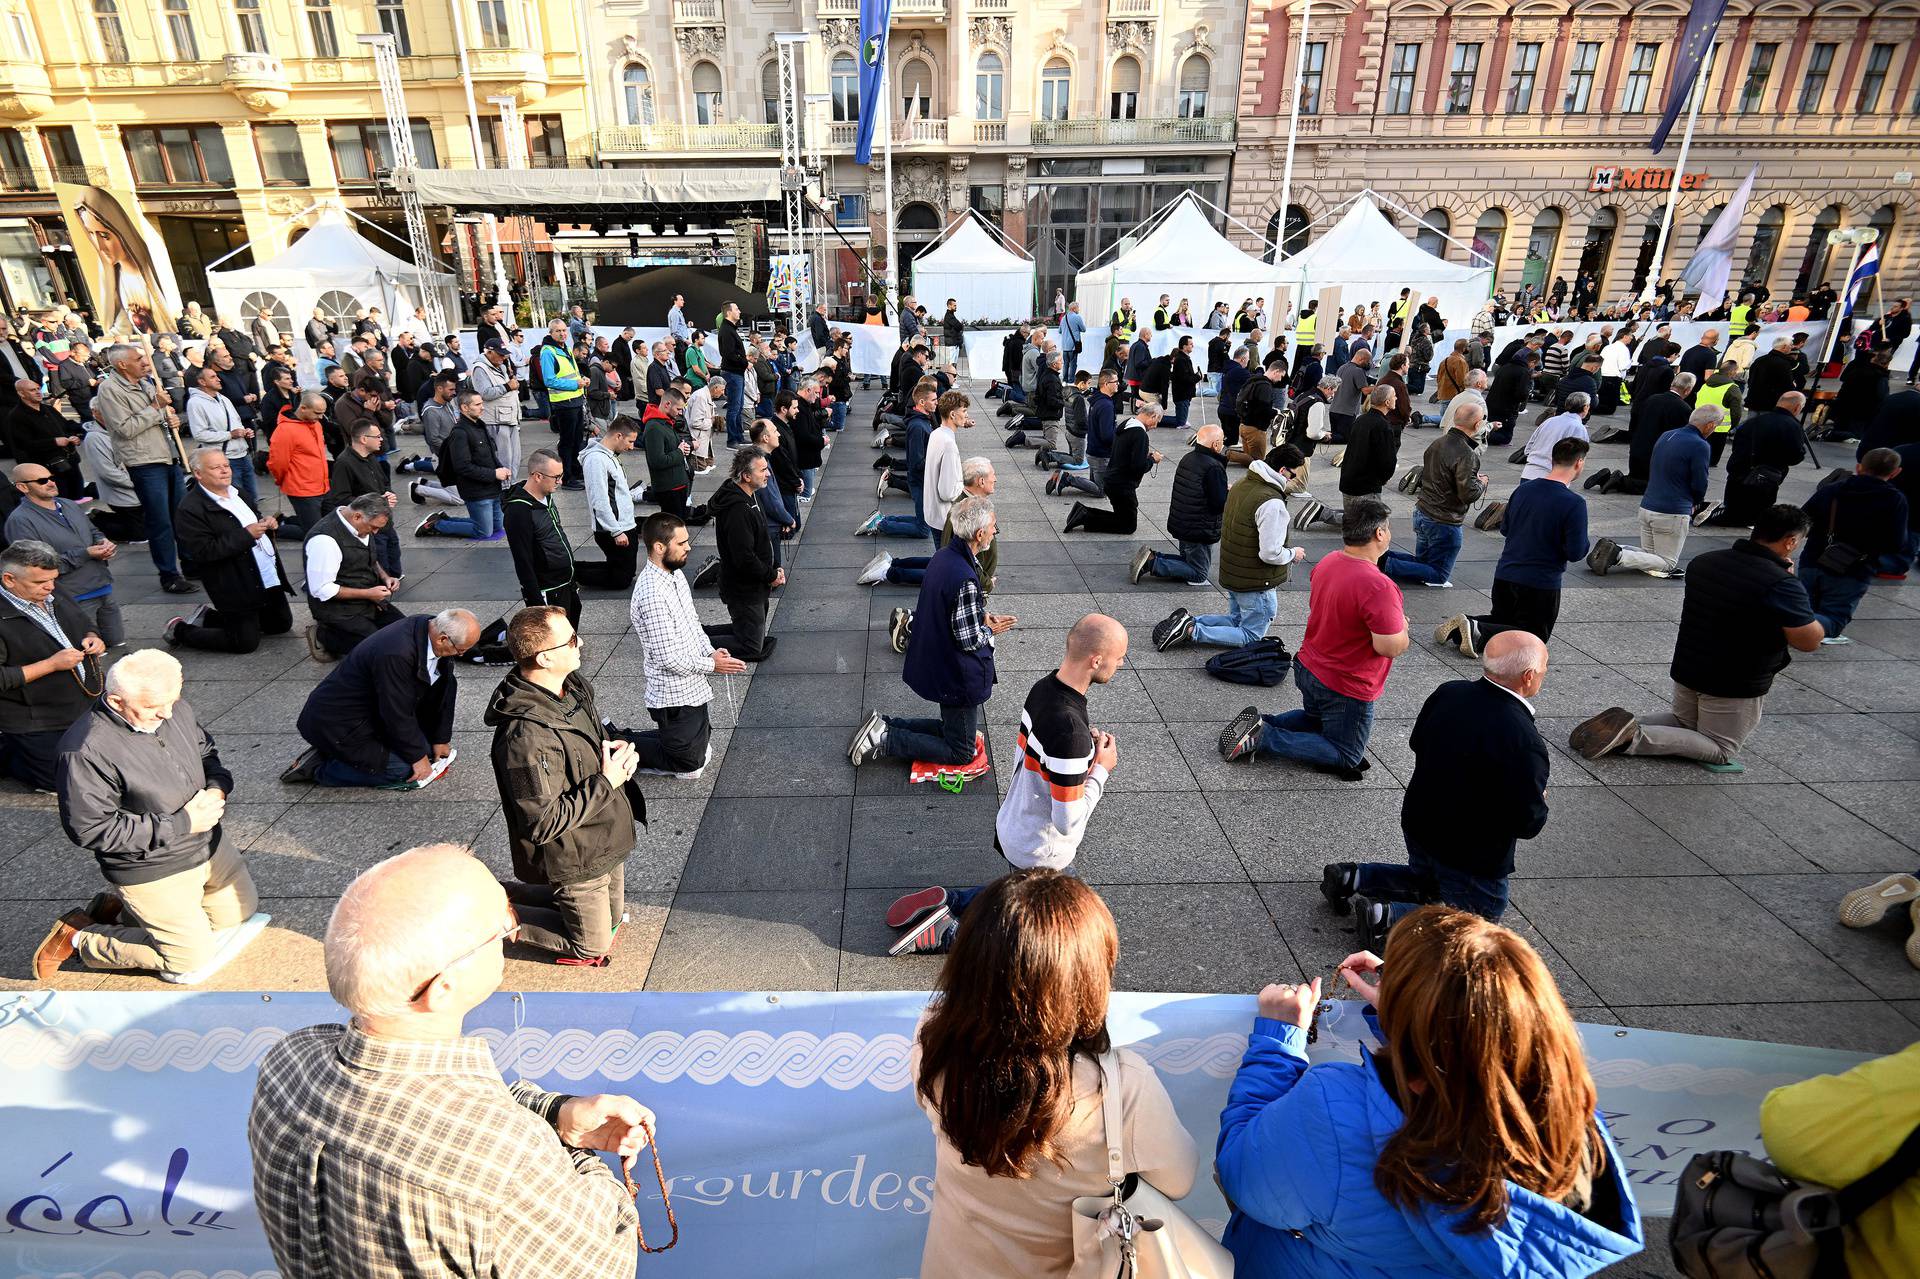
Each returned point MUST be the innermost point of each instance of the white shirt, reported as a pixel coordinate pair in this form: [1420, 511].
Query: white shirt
[433, 659]
[1510, 693]
[236, 506]
[323, 561]
[1614, 359]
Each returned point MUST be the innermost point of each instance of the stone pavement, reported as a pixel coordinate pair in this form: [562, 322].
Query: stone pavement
[1661, 895]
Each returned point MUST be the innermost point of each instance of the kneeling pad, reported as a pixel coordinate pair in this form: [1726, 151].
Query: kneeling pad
[975, 767]
[232, 942]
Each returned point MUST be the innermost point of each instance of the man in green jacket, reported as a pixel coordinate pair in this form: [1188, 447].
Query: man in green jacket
[1451, 481]
[668, 472]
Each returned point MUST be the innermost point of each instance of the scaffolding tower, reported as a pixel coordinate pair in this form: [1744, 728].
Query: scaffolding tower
[393, 97]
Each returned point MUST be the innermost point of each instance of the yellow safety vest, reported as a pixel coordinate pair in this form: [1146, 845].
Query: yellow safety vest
[1740, 317]
[1122, 324]
[1397, 309]
[1716, 396]
[1303, 331]
[563, 366]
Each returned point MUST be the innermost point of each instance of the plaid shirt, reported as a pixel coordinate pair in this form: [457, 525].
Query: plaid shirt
[679, 657]
[970, 630]
[385, 1159]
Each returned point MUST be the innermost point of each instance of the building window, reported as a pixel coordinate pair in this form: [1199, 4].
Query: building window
[1814, 87]
[849, 208]
[1759, 71]
[546, 142]
[362, 150]
[1586, 61]
[1526, 69]
[393, 21]
[1406, 64]
[989, 85]
[282, 163]
[706, 93]
[1466, 69]
[113, 37]
[63, 153]
[15, 173]
[1312, 71]
[1542, 244]
[493, 25]
[1766, 247]
[989, 200]
[1123, 103]
[1813, 267]
[23, 37]
[1640, 78]
[916, 90]
[1490, 234]
[252, 27]
[1873, 79]
[637, 94]
[844, 79]
[1432, 235]
[326, 43]
[1195, 72]
[180, 31]
[178, 156]
[770, 91]
[1056, 90]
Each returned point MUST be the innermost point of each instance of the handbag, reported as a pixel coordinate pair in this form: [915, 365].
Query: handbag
[1738, 1217]
[1139, 1232]
[1838, 557]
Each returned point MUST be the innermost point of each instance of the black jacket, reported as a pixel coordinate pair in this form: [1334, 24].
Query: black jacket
[1768, 378]
[1866, 513]
[542, 556]
[1475, 745]
[659, 378]
[817, 330]
[1049, 397]
[33, 433]
[740, 537]
[1199, 497]
[1772, 438]
[809, 436]
[53, 702]
[379, 702]
[469, 461]
[951, 329]
[733, 352]
[352, 475]
[566, 823]
[123, 794]
[1653, 418]
[785, 460]
[1731, 642]
[1132, 456]
[1863, 389]
[1896, 422]
[1183, 380]
[1012, 348]
[1507, 392]
[221, 547]
[1371, 455]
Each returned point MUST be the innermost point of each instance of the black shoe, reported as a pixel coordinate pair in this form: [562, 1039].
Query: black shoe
[575, 486]
[708, 574]
[1341, 771]
[1337, 884]
[1053, 483]
[1075, 518]
[1598, 478]
[1370, 923]
[883, 463]
[766, 650]
[1174, 629]
[1241, 735]
[179, 586]
[303, 768]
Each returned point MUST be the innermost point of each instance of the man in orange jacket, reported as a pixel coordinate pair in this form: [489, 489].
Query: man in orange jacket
[298, 461]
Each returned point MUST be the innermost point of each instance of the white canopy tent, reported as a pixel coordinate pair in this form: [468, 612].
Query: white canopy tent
[1183, 256]
[973, 265]
[1368, 259]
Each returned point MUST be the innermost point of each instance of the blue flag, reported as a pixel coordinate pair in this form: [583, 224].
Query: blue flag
[1695, 42]
[1866, 269]
[874, 15]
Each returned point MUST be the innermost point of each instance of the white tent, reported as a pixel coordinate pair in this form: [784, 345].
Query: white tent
[335, 268]
[973, 266]
[1183, 257]
[1368, 260]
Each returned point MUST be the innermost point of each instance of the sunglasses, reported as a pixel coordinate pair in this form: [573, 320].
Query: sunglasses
[38, 479]
[505, 934]
[572, 641]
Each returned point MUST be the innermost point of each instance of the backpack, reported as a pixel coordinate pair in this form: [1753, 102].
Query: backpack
[1264, 662]
[1243, 403]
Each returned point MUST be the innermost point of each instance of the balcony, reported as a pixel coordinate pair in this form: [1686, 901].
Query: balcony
[1093, 133]
[85, 175]
[906, 133]
[627, 138]
[989, 130]
[1133, 8]
[698, 12]
[258, 80]
[991, 6]
[26, 93]
[923, 11]
[12, 180]
[518, 73]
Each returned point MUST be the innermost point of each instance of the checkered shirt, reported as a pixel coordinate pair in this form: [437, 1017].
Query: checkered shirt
[678, 655]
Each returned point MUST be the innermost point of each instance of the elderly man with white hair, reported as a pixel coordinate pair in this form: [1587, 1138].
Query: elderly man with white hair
[699, 420]
[1569, 422]
[138, 413]
[391, 1144]
[143, 789]
[1473, 737]
[232, 546]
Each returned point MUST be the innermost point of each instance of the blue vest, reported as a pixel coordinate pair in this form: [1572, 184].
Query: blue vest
[936, 667]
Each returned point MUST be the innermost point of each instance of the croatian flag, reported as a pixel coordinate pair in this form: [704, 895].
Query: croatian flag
[874, 15]
[1868, 267]
[1696, 41]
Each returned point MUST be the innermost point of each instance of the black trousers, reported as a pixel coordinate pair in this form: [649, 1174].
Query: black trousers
[1123, 518]
[673, 501]
[679, 742]
[32, 759]
[1520, 608]
[494, 633]
[238, 630]
[1716, 445]
[747, 623]
[120, 526]
[616, 573]
[341, 635]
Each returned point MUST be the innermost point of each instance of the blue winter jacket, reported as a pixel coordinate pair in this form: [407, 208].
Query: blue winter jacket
[1297, 1152]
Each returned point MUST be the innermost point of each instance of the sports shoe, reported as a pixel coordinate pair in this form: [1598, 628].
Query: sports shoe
[1173, 630]
[1370, 923]
[880, 439]
[1834, 640]
[1706, 513]
[303, 768]
[1491, 518]
[1053, 484]
[425, 527]
[590, 961]
[1603, 734]
[866, 740]
[885, 462]
[900, 628]
[1076, 516]
[880, 489]
[932, 937]
[1449, 631]
[1312, 512]
[1440, 586]
[179, 586]
[1337, 884]
[869, 526]
[1241, 735]
[909, 910]
[875, 571]
[1604, 555]
[1865, 907]
[1913, 913]
[171, 631]
[315, 648]
[1142, 561]
[708, 573]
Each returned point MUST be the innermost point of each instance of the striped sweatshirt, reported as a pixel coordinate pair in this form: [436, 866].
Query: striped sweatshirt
[1053, 791]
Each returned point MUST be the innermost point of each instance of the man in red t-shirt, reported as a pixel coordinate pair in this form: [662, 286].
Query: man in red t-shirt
[1356, 626]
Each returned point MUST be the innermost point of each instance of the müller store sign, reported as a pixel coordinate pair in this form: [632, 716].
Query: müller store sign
[1613, 177]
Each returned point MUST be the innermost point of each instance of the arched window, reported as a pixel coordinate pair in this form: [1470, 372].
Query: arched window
[1813, 267]
[844, 80]
[1123, 102]
[636, 90]
[1713, 216]
[916, 90]
[1056, 90]
[1490, 237]
[989, 87]
[1596, 253]
[1296, 233]
[1881, 221]
[1433, 236]
[1195, 72]
[706, 93]
[770, 90]
[918, 216]
[1542, 243]
[1766, 247]
[113, 36]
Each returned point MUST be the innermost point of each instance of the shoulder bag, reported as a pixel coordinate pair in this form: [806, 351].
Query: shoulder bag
[1139, 1232]
[1838, 557]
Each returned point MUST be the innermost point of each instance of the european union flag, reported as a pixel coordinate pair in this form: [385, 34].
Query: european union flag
[1703, 21]
[874, 15]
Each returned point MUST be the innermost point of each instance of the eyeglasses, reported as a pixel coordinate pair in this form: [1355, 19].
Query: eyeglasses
[573, 641]
[505, 934]
[38, 479]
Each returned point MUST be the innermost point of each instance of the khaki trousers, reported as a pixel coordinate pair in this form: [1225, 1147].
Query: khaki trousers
[173, 924]
[1251, 448]
[1709, 729]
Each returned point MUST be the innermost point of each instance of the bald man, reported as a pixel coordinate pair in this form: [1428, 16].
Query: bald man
[1194, 513]
[392, 1144]
[1062, 770]
[1473, 738]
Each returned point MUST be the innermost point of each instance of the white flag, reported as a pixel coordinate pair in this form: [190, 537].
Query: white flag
[1706, 275]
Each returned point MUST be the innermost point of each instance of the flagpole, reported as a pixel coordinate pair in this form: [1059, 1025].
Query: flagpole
[886, 123]
[1293, 132]
[1673, 192]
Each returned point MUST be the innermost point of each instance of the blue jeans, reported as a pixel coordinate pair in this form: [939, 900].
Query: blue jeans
[482, 520]
[809, 481]
[947, 740]
[1190, 565]
[160, 485]
[1424, 882]
[334, 772]
[1331, 728]
[386, 549]
[839, 416]
[1435, 547]
[1248, 616]
[1180, 408]
[736, 404]
[1834, 596]
[908, 570]
[243, 480]
[1012, 391]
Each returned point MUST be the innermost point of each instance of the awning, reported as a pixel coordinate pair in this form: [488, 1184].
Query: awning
[584, 190]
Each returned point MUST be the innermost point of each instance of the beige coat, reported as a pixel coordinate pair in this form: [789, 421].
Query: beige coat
[139, 427]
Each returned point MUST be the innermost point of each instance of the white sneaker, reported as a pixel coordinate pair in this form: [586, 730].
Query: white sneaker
[876, 570]
[1439, 586]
